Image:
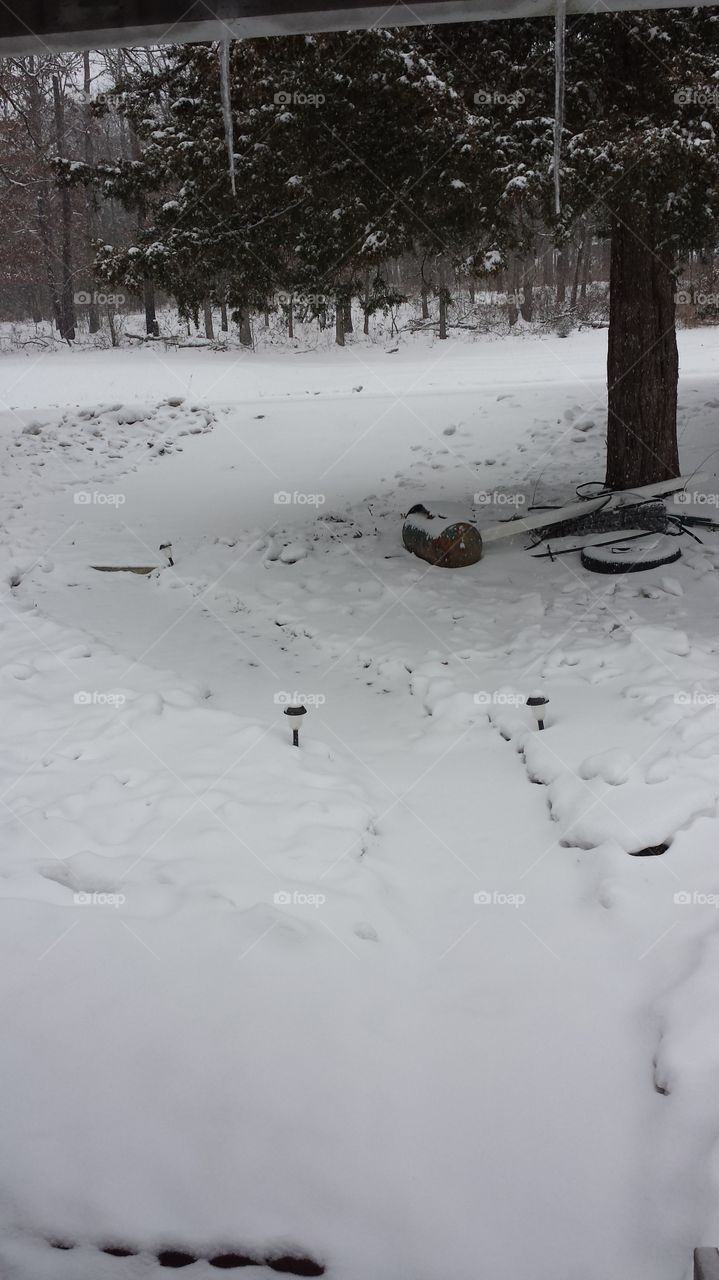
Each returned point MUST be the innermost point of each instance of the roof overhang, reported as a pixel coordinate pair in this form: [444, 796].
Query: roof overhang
[42, 26]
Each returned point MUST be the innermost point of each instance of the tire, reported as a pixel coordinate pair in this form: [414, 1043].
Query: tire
[629, 555]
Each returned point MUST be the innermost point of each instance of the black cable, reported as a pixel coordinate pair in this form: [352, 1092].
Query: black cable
[565, 551]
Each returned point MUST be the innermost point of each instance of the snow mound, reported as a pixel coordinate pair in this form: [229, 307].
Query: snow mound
[94, 438]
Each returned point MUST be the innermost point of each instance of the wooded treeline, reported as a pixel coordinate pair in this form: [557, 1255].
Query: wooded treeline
[367, 167]
[68, 107]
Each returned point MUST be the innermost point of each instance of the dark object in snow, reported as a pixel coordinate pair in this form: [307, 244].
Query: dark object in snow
[124, 568]
[661, 1085]
[650, 516]
[442, 534]
[295, 715]
[553, 551]
[706, 1264]
[228, 1261]
[290, 1264]
[167, 548]
[549, 517]
[537, 703]
[651, 851]
[296, 1266]
[623, 557]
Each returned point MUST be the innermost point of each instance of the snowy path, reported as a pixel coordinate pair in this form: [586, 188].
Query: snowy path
[471, 1034]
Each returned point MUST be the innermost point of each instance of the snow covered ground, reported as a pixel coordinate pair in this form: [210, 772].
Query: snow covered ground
[400, 1005]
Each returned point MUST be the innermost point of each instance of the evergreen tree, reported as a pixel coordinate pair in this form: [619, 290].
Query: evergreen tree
[640, 154]
[342, 148]
[350, 151]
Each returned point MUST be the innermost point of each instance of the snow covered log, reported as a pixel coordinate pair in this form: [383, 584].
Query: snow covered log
[443, 534]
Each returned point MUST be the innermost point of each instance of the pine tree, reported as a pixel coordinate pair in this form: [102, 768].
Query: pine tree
[643, 154]
[349, 152]
[640, 155]
[337, 144]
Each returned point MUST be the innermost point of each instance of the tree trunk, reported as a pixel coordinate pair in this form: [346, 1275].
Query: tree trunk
[586, 263]
[245, 327]
[209, 327]
[152, 328]
[93, 310]
[340, 322]
[527, 304]
[67, 297]
[443, 299]
[35, 305]
[513, 291]
[425, 303]
[577, 271]
[348, 327]
[43, 223]
[561, 275]
[291, 318]
[367, 296]
[443, 312]
[547, 263]
[642, 364]
[42, 198]
[224, 323]
[710, 269]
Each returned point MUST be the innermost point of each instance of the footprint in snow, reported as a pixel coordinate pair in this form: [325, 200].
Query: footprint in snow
[366, 931]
